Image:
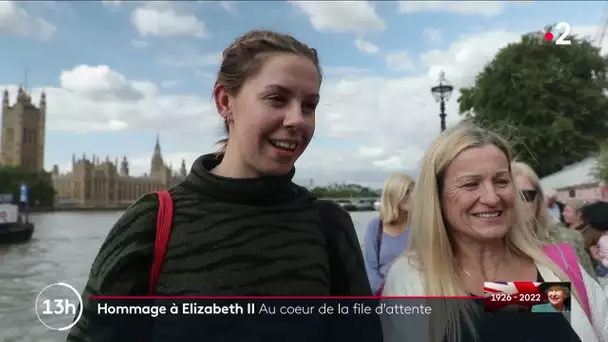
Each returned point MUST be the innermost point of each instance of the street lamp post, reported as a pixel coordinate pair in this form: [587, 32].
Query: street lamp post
[442, 93]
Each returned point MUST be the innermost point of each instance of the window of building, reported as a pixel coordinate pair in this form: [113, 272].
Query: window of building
[571, 193]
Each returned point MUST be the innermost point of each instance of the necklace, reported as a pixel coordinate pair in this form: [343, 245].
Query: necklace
[470, 275]
[467, 273]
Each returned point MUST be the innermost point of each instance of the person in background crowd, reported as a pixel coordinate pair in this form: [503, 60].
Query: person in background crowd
[241, 227]
[468, 226]
[386, 235]
[596, 215]
[573, 216]
[548, 230]
[556, 208]
[602, 250]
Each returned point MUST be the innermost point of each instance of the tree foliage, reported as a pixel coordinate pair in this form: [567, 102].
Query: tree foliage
[547, 99]
[600, 169]
[40, 187]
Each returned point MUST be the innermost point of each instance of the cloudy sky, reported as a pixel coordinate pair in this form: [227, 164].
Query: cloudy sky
[116, 73]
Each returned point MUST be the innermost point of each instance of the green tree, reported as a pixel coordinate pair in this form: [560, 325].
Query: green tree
[600, 169]
[547, 99]
[40, 186]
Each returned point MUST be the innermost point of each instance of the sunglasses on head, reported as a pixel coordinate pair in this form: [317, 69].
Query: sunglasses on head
[528, 195]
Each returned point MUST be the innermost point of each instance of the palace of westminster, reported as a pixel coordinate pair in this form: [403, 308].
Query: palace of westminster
[91, 182]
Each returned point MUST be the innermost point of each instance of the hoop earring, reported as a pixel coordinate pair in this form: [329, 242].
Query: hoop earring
[227, 117]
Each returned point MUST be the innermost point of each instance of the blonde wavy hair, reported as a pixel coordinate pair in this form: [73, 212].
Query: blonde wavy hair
[397, 188]
[542, 219]
[431, 248]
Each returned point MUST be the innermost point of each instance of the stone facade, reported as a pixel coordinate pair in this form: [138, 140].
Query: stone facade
[23, 131]
[107, 184]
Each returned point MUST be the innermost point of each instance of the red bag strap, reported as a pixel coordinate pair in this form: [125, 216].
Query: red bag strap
[164, 220]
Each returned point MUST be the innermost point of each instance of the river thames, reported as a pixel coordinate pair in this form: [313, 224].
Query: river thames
[61, 250]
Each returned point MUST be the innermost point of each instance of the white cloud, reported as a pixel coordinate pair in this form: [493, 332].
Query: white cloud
[169, 84]
[591, 33]
[228, 6]
[344, 71]
[483, 8]
[391, 120]
[16, 21]
[432, 35]
[391, 163]
[112, 3]
[367, 125]
[192, 60]
[205, 74]
[117, 125]
[342, 16]
[366, 46]
[465, 58]
[370, 151]
[99, 83]
[399, 61]
[140, 44]
[97, 98]
[162, 20]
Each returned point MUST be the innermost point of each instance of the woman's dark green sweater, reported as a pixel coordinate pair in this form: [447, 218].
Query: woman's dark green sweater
[230, 237]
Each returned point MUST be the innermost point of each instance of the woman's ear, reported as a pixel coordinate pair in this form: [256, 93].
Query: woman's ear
[223, 102]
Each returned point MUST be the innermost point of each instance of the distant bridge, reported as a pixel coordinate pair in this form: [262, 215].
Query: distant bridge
[355, 203]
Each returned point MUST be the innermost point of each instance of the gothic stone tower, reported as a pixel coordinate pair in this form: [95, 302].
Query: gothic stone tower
[23, 132]
[157, 164]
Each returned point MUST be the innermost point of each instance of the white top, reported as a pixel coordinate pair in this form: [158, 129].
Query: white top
[405, 280]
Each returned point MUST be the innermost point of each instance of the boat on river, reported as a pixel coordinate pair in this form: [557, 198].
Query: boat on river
[14, 226]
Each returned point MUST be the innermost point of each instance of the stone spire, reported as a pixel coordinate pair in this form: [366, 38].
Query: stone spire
[21, 95]
[157, 146]
[124, 167]
[157, 163]
[5, 98]
[182, 170]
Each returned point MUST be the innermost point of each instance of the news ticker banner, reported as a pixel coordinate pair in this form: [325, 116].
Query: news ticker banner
[526, 296]
[59, 306]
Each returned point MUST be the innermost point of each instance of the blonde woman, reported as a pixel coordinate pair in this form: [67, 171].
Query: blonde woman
[386, 235]
[467, 227]
[547, 229]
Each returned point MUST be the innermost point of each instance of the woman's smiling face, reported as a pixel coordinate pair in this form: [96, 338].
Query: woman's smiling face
[557, 295]
[479, 196]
